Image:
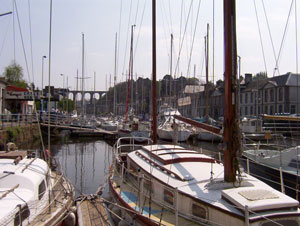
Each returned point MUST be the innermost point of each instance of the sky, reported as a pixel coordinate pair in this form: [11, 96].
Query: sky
[101, 20]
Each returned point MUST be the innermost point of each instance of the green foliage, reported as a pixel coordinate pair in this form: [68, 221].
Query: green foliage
[13, 74]
[260, 76]
[12, 133]
[66, 103]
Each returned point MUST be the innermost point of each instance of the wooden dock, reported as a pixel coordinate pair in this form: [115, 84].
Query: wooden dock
[91, 212]
[81, 131]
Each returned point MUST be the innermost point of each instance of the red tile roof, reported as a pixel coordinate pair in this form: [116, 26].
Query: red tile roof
[15, 88]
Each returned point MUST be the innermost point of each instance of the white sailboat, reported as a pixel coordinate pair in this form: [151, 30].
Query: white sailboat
[170, 128]
[171, 185]
[32, 193]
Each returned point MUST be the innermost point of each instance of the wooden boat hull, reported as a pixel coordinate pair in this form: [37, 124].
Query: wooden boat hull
[139, 219]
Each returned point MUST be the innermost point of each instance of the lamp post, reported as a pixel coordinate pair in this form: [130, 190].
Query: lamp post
[63, 91]
[43, 57]
[67, 94]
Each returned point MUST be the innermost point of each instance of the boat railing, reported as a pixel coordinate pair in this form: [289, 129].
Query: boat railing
[144, 187]
[277, 180]
[11, 120]
[127, 144]
[43, 205]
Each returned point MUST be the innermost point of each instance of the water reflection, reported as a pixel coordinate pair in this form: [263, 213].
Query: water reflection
[85, 162]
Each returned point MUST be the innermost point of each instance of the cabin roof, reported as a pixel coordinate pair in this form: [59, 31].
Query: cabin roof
[202, 180]
[27, 174]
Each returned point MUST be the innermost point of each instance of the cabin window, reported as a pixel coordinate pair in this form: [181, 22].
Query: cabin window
[148, 185]
[294, 163]
[42, 189]
[198, 211]
[22, 215]
[168, 197]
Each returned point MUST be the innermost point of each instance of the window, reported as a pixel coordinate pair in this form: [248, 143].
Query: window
[246, 98]
[271, 95]
[246, 110]
[266, 109]
[280, 109]
[251, 97]
[42, 189]
[148, 185]
[251, 110]
[168, 197]
[280, 94]
[241, 99]
[198, 211]
[271, 110]
[266, 95]
[22, 214]
[293, 109]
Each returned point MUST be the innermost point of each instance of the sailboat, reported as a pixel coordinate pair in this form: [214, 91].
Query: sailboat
[170, 128]
[33, 189]
[162, 184]
[32, 192]
[203, 134]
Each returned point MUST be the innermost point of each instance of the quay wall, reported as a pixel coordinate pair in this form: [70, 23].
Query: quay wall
[24, 136]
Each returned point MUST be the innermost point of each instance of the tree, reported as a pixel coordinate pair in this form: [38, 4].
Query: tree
[13, 74]
[260, 76]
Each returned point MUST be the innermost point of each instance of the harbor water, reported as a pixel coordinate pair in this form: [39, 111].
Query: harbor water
[84, 162]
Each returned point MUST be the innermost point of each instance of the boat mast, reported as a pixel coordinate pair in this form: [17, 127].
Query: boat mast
[115, 74]
[130, 76]
[49, 73]
[206, 70]
[231, 135]
[154, 72]
[94, 99]
[171, 69]
[82, 78]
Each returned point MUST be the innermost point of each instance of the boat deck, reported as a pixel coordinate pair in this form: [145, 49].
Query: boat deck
[91, 212]
[160, 215]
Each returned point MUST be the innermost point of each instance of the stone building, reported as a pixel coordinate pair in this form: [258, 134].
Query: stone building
[276, 95]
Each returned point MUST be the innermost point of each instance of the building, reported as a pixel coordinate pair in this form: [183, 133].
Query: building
[276, 95]
[3, 85]
[19, 100]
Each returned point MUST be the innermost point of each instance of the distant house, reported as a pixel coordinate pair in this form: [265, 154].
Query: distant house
[275, 95]
[18, 100]
[3, 85]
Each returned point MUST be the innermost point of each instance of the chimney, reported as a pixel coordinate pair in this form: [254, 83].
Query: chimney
[248, 78]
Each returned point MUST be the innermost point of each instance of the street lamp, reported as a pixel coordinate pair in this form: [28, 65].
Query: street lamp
[43, 57]
[63, 91]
